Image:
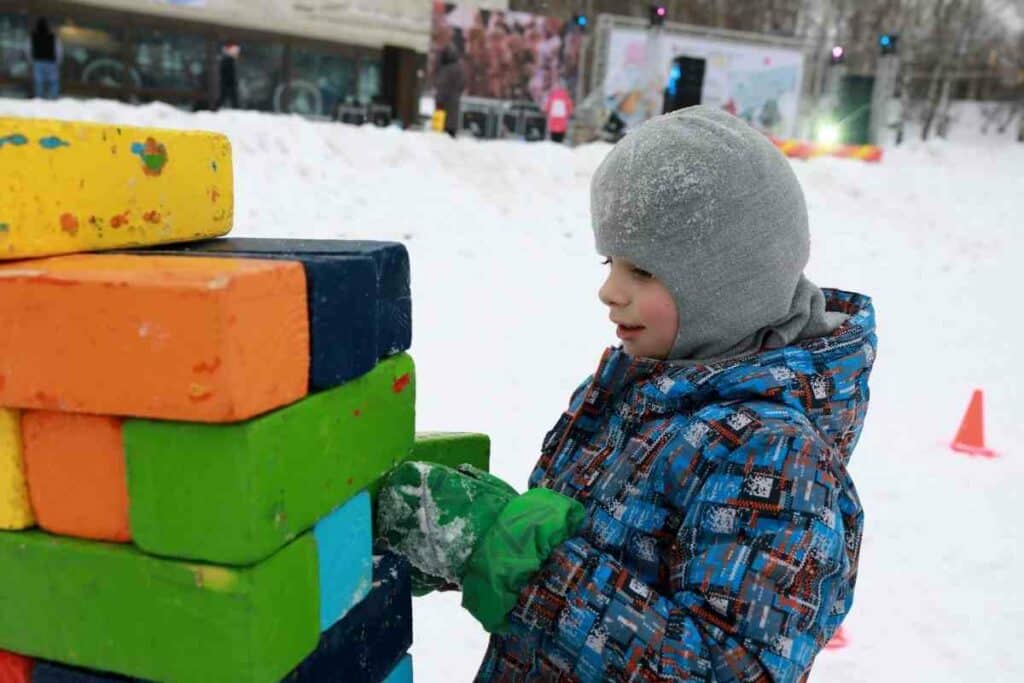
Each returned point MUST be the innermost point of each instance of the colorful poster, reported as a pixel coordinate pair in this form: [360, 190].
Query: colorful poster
[759, 83]
[507, 55]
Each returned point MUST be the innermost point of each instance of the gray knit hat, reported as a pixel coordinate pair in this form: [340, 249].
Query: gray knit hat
[707, 205]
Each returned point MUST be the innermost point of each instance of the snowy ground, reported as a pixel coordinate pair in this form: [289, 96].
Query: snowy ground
[507, 322]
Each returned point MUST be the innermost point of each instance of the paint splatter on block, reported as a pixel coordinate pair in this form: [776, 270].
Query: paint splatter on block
[199, 339]
[359, 312]
[72, 186]
[15, 510]
[233, 494]
[122, 611]
[76, 474]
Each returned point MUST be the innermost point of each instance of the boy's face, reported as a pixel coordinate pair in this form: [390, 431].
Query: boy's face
[642, 309]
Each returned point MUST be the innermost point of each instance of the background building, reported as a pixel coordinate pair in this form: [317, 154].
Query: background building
[303, 57]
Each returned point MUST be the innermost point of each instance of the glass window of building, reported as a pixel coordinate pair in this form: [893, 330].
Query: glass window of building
[170, 61]
[319, 80]
[369, 80]
[92, 55]
[14, 46]
[259, 69]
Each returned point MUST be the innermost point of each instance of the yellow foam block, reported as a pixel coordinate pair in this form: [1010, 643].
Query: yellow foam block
[71, 186]
[15, 511]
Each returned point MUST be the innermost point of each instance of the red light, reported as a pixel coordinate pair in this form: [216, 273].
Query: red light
[661, 11]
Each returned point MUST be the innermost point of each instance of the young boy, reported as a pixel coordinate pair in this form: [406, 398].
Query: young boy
[711, 531]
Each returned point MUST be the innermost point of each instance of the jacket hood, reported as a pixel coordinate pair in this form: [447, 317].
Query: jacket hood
[825, 378]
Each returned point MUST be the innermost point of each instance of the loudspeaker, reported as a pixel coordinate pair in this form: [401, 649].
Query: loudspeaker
[523, 120]
[479, 117]
[477, 123]
[352, 113]
[380, 115]
[535, 126]
[685, 82]
[509, 123]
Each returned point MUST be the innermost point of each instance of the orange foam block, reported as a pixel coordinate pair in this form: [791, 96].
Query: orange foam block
[194, 339]
[76, 474]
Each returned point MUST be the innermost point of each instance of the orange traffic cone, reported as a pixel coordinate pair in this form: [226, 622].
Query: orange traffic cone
[970, 438]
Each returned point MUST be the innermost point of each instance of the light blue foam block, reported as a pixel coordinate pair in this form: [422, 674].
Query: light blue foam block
[402, 673]
[345, 559]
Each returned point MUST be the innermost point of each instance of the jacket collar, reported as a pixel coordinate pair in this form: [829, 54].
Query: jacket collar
[661, 387]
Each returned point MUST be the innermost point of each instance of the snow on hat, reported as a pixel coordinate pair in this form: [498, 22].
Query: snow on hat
[707, 205]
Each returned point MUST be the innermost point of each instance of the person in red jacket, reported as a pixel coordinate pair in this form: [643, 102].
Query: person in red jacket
[558, 107]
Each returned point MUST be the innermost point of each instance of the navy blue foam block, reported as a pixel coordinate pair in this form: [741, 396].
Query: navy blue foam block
[372, 638]
[395, 328]
[344, 319]
[48, 672]
[391, 258]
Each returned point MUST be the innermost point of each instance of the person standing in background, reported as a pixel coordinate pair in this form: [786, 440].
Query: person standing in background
[558, 107]
[449, 85]
[229, 75]
[45, 53]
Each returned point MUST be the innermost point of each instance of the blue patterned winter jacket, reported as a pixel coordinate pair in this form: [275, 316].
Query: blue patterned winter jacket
[722, 529]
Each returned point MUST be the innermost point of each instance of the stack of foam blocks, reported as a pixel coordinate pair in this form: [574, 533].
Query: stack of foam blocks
[191, 428]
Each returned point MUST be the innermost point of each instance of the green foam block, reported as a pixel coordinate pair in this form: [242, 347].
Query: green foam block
[235, 493]
[453, 449]
[113, 608]
[448, 448]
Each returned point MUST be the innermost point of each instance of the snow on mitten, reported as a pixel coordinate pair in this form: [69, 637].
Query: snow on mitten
[435, 515]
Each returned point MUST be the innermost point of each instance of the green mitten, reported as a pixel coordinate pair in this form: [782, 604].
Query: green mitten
[467, 528]
[515, 547]
[434, 516]
[422, 584]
